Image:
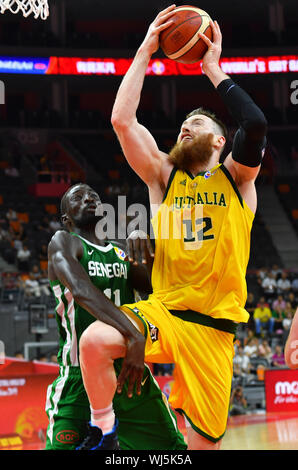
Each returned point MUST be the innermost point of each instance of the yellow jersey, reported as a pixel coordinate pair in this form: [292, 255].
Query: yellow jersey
[202, 245]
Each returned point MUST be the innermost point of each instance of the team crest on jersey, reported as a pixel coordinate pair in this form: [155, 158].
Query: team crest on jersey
[120, 253]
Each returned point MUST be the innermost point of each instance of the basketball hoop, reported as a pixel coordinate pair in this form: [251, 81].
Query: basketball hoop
[38, 8]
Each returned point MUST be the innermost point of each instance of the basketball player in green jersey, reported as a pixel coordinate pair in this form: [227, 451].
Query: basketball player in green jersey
[90, 278]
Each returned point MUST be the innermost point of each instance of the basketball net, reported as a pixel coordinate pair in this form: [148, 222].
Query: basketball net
[38, 8]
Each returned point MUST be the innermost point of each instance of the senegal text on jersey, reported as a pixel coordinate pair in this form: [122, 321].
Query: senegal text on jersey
[95, 268]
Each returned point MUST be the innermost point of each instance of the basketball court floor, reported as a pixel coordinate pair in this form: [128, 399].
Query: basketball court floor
[265, 432]
[276, 431]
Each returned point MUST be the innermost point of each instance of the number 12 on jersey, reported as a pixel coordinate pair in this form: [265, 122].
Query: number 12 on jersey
[194, 236]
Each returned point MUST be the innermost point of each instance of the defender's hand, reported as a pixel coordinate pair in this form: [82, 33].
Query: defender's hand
[139, 247]
[133, 365]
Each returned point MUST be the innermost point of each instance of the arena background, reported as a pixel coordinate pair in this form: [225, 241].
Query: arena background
[59, 80]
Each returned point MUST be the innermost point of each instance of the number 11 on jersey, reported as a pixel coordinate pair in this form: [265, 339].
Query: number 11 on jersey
[115, 294]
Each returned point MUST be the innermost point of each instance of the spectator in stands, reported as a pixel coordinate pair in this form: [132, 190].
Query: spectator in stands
[290, 297]
[44, 283]
[265, 351]
[262, 273]
[12, 172]
[286, 325]
[31, 287]
[276, 271]
[53, 359]
[37, 275]
[19, 355]
[250, 307]
[269, 285]
[23, 258]
[249, 335]
[295, 284]
[11, 215]
[251, 348]
[17, 243]
[238, 402]
[290, 307]
[241, 363]
[278, 314]
[4, 234]
[283, 284]
[43, 257]
[263, 317]
[10, 284]
[278, 358]
[42, 358]
[279, 303]
[44, 225]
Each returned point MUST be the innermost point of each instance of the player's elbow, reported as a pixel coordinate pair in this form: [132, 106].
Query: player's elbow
[256, 123]
[120, 121]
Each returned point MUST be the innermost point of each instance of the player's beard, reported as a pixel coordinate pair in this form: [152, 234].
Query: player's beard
[185, 155]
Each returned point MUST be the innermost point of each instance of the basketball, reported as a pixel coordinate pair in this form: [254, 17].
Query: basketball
[180, 42]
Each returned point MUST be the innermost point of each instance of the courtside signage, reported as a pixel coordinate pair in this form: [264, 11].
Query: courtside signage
[157, 67]
[281, 388]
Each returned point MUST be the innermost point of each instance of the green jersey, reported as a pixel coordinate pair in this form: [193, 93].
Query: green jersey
[145, 421]
[109, 272]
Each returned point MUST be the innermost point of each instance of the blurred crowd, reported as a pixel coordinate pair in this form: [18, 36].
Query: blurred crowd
[260, 343]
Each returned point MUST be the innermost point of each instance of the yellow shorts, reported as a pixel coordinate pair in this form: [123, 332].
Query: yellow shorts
[202, 350]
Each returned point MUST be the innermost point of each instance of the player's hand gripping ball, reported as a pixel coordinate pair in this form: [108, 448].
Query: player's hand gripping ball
[180, 41]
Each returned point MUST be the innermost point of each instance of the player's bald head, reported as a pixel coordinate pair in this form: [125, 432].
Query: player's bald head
[63, 202]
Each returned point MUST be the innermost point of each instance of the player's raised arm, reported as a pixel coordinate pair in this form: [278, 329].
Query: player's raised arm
[250, 139]
[138, 145]
[64, 252]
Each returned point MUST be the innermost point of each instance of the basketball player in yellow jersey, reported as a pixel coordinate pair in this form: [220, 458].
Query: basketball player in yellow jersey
[202, 217]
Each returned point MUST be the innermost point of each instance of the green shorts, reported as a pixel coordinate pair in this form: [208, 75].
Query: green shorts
[145, 421]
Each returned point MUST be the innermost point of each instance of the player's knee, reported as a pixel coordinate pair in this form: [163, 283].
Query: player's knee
[99, 342]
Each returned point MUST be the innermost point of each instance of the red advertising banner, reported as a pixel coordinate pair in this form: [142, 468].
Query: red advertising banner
[23, 387]
[157, 66]
[166, 67]
[281, 389]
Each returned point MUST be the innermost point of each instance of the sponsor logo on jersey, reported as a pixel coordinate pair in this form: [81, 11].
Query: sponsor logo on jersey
[120, 253]
[67, 437]
[153, 331]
